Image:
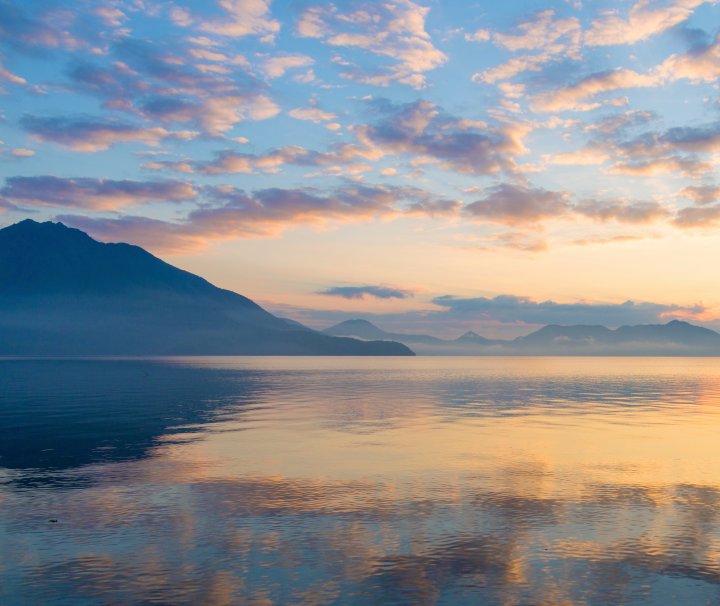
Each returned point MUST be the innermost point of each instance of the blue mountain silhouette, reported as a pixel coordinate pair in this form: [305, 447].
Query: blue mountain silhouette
[673, 338]
[64, 293]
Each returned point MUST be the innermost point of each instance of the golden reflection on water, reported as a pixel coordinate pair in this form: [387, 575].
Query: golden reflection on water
[433, 480]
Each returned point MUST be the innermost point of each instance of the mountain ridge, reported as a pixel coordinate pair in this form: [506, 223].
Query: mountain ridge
[64, 293]
[675, 337]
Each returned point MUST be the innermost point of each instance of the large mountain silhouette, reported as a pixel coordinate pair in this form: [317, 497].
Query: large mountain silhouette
[63, 293]
[672, 338]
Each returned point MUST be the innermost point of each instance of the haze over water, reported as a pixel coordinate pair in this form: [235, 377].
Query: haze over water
[510, 481]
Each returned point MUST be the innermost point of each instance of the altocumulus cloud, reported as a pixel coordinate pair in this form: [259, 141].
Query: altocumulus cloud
[360, 292]
[91, 194]
[228, 213]
[87, 134]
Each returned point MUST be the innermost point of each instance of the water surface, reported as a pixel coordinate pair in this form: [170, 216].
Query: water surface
[510, 481]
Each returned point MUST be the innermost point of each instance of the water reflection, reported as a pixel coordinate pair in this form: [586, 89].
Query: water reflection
[321, 481]
[63, 414]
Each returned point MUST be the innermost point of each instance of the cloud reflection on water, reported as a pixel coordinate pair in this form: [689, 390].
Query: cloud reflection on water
[407, 486]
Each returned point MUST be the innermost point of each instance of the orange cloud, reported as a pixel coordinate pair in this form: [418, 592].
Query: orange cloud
[643, 21]
[395, 29]
[243, 18]
[661, 166]
[231, 213]
[576, 96]
[517, 205]
[275, 67]
[87, 134]
[95, 194]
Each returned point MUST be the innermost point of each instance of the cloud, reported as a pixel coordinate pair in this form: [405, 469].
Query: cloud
[89, 134]
[606, 240]
[513, 67]
[675, 151]
[553, 40]
[360, 292]
[394, 29]
[511, 241]
[243, 18]
[116, 83]
[518, 205]
[151, 65]
[704, 138]
[340, 159]
[31, 30]
[545, 38]
[312, 114]
[168, 82]
[702, 195]
[229, 213]
[422, 129]
[111, 16]
[698, 217]
[701, 64]
[21, 152]
[503, 316]
[661, 166]
[644, 20]
[577, 97]
[509, 309]
[617, 124]
[215, 115]
[587, 156]
[622, 211]
[275, 67]
[8, 76]
[91, 194]
[541, 31]
[152, 234]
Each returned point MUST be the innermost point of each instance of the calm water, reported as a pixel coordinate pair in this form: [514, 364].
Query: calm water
[509, 481]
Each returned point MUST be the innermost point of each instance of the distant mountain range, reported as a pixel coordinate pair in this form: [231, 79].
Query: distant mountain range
[63, 293]
[674, 338]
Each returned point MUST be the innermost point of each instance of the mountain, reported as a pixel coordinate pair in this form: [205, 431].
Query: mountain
[467, 344]
[63, 293]
[473, 338]
[674, 338]
[675, 332]
[367, 330]
[554, 335]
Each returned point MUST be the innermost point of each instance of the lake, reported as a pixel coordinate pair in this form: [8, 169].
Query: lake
[509, 481]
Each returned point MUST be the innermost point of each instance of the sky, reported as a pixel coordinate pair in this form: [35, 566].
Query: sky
[434, 166]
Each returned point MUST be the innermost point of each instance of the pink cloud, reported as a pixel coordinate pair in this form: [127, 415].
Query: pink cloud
[394, 29]
[622, 211]
[243, 18]
[579, 96]
[92, 194]
[275, 67]
[87, 134]
[644, 20]
[518, 205]
[232, 213]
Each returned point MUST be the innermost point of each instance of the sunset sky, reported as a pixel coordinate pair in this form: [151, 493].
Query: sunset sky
[437, 166]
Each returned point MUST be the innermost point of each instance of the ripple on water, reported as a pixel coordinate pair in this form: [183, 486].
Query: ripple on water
[356, 481]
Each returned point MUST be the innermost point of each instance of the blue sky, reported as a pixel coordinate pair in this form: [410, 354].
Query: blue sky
[555, 158]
